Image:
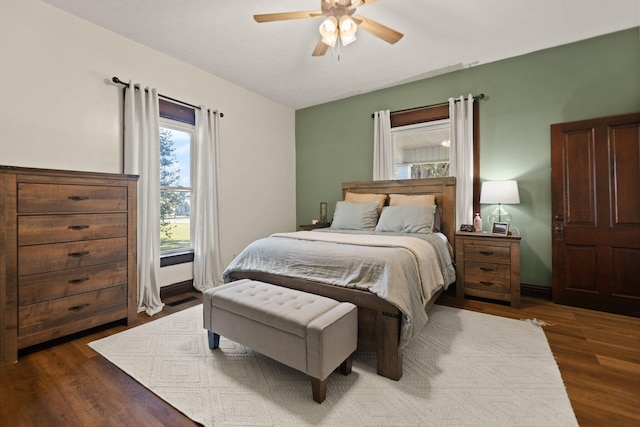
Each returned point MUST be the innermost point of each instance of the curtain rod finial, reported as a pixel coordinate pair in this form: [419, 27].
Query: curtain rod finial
[118, 81]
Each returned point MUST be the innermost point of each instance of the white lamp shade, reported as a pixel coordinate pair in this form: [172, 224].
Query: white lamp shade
[503, 192]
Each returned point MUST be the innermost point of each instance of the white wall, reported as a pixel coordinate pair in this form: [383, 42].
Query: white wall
[59, 110]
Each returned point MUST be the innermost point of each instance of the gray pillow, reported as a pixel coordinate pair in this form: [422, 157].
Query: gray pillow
[407, 219]
[355, 216]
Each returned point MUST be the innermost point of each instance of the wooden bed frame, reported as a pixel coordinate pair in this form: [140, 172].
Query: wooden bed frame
[378, 320]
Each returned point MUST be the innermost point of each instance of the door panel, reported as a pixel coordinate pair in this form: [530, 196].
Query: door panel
[580, 172]
[595, 178]
[625, 151]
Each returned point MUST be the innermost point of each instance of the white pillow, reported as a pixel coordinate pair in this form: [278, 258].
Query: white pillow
[407, 219]
[355, 216]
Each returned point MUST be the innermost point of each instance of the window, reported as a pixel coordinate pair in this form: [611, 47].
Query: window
[175, 186]
[177, 136]
[434, 113]
[421, 150]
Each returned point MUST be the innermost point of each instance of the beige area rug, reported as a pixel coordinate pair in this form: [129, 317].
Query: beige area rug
[464, 369]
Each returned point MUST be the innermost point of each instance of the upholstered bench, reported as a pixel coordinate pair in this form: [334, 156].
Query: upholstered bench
[307, 332]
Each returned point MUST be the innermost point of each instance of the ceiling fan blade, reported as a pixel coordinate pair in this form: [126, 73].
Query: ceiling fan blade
[283, 16]
[321, 48]
[385, 33]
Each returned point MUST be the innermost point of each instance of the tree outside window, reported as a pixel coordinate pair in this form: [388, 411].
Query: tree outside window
[175, 189]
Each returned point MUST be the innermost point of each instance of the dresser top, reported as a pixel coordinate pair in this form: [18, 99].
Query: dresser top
[60, 172]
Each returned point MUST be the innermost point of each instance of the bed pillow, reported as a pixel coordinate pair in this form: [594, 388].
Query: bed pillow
[407, 219]
[355, 216]
[411, 199]
[417, 199]
[366, 198]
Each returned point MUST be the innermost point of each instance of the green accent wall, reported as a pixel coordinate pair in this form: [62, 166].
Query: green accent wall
[523, 97]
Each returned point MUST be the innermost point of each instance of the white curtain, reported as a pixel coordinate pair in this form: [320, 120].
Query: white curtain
[461, 156]
[382, 146]
[207, 264]
[142, 157]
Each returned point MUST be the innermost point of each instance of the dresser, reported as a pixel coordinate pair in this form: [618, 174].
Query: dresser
[68, 254]
[488, 266]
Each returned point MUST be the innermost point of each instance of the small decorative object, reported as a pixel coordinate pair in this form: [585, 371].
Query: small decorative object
[467, 227]
[477, 223]
[501, 228]
[323, 212]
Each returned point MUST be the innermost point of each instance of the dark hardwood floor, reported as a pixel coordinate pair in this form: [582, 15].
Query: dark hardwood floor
[66, 383]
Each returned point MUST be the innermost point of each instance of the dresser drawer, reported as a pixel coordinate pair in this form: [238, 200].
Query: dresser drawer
[35, 230]
[60, 256]
[45, 286]
[487, 253]
[50, 198]
[54, 313]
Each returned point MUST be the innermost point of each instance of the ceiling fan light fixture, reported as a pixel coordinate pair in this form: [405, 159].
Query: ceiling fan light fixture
[347, 30]
[329, 31]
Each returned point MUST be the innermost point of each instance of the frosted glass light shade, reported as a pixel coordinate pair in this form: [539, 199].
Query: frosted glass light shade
[347, 30]
[329, 31]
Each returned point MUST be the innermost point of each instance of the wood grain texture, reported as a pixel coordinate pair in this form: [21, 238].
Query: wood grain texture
[69, 238]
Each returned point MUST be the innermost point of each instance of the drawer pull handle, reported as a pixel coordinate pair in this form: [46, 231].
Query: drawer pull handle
[78, 227]
[486, 252]
[78, 254]
[77, 308]
[78, 281]
[486, 283]
[78, 198]
[486, 269]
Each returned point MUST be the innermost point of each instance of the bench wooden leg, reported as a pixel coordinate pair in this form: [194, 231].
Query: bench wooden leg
[214, 340]
[319, 389]
[345, 367]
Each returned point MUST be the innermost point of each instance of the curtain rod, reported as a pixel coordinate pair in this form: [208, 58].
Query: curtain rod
[125, 84]
[475, 98]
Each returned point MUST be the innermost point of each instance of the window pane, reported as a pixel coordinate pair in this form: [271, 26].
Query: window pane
[175, 193]
[175, 222]
[422, 150]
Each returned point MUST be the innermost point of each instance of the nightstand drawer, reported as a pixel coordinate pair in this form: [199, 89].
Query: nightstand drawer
[487, 276]
[494, 284]
[488, 270]
[487, 253]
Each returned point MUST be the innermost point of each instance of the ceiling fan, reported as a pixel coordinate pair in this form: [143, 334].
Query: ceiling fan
[339, 23]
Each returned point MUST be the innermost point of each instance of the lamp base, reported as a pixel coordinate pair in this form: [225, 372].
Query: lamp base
[498, 215]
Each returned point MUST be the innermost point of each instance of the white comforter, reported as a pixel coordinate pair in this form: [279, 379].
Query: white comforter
[406, 271]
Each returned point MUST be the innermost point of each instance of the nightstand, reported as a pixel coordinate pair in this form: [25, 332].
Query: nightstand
[309, 227]
[488, 266]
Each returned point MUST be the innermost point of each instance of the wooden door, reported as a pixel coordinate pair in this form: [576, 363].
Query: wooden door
[595, 202]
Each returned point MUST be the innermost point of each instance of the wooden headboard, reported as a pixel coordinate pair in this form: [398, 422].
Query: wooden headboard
[443, 188]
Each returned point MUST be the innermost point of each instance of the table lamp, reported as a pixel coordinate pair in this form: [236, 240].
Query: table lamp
[499, 192]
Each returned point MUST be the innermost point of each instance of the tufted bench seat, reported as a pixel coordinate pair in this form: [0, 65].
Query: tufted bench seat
[307, 332]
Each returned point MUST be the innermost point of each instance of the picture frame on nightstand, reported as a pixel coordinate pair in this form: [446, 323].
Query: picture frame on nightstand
[500, 228]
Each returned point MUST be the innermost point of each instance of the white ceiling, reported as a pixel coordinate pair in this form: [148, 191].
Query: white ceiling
[274, 59]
